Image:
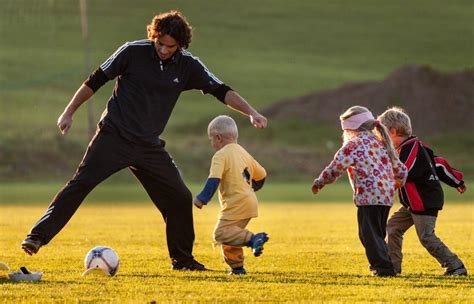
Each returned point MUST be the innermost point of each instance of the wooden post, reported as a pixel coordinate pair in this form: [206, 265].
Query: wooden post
[87, 64]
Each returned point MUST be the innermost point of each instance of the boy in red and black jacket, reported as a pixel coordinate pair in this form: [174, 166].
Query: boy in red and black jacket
[422, 195]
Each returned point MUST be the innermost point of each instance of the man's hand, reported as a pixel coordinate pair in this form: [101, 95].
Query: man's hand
[258, 121]
[236, 102]
[461, 189]
[197, 203]
[65, 122]
[81, 95]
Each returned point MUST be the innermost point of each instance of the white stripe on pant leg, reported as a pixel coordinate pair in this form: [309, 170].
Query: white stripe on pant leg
[43, 219]
[49, 211]
[45, 216]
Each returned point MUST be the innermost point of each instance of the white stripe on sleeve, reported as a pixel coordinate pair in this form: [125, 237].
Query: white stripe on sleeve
[104, 66]
[186, 53]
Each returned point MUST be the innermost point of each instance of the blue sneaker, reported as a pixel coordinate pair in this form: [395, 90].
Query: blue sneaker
[256, 242]
[238, 271]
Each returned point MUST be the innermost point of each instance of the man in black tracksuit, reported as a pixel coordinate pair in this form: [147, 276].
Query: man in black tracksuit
[150, 75]
[422, 196]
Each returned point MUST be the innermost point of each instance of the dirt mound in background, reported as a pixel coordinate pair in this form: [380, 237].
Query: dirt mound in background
[435, 101]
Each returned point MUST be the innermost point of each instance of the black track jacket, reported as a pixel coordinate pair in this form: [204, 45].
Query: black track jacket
[147, 88]
[422, 192]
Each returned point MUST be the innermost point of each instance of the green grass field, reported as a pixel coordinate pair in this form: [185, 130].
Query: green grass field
[314, 254]
[267, 50]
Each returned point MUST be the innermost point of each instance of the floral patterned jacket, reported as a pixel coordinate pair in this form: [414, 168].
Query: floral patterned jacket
[372, 175]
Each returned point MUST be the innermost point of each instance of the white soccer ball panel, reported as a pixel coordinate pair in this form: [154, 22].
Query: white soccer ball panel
[104, 258]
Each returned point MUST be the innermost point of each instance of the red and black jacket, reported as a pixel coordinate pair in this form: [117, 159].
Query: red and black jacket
[422, 192]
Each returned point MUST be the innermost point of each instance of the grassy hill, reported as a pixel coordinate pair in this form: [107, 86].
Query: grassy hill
[266, 50]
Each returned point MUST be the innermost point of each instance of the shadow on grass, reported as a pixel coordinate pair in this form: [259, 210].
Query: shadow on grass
[8, 281]
[419, 280]
[170, 274]
[315, 278]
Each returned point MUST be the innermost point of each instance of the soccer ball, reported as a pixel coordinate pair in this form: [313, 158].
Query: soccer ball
[101, 258]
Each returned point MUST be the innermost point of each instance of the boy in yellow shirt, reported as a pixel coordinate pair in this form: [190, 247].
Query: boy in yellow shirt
[237, 175]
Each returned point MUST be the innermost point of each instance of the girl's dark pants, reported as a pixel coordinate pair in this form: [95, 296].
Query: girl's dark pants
[372, 222]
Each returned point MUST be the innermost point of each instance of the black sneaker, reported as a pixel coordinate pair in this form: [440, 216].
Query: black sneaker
[191, 265]
[460, 271]
[382, 272]
[31, 246]
[238, 271]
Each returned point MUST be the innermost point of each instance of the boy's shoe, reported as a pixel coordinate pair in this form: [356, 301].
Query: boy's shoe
[31, 246]
[383, 272]
[460, 271]
[238, 271]
[256, 242]
[191, 265]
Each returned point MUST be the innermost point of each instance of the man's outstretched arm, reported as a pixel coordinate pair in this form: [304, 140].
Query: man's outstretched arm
[81, 96]
[236, 102]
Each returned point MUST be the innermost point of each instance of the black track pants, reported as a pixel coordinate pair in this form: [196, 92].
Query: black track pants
[372, 222]
[154, 168]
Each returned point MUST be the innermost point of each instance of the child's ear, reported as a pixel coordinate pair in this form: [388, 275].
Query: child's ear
[392, 131]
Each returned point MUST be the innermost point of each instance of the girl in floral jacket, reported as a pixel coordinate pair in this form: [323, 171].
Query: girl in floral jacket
[374, 173]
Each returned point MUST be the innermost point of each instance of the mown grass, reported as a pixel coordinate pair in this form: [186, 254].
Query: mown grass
[314, 255]
[125, 193]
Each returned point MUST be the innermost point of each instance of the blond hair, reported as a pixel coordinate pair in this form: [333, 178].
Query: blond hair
[223, 125]
[397, 119]
[381, 131]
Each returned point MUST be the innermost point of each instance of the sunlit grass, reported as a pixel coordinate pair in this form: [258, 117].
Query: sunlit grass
[115, 191]
[313, 255]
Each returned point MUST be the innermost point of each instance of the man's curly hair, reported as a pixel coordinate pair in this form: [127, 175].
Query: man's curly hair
[171, 23]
